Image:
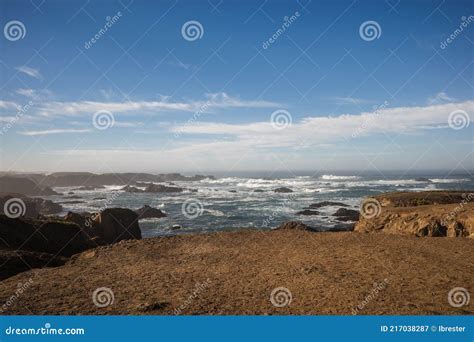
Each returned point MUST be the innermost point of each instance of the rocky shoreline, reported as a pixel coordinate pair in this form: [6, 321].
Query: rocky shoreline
[50, 249]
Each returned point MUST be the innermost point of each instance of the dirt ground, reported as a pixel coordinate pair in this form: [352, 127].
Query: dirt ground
[235, 273]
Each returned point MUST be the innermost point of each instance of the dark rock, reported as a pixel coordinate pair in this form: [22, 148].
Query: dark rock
[307, 212]
[149, 212]
[176, 226]
[58, 238]
[99, 198]
[294, 225]
[326, 204]
[233, 191]
[283, 190]
[131, 189]
[72, 202]
[115, 224]
[259, 190]
[17, 261]
[29, 207]
[423, 179]
[70, 193]
[344, 214]
[90, 187]
[155, 188]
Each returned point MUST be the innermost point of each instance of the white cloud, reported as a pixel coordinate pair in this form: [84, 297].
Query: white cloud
[219, 100]
[316, 130]
[34, 93]
[441, 97]
[350, 100]
[35, 73]
[9, 105]
[54, 131]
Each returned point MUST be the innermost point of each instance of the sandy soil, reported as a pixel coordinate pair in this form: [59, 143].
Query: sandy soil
[235, 273]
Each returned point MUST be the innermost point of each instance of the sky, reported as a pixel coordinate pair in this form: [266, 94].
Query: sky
[202, 86]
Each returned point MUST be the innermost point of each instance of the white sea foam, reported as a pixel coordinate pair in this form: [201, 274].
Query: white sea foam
[333, 177]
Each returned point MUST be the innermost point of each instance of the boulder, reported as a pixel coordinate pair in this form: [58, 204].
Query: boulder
[115, 224]
[17, 261]
[55, 237]
[326, 204]
[149, 212]
[344, 214]
[283, 190]
[307, 212]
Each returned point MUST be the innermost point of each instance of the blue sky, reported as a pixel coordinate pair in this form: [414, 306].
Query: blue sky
[398, 100]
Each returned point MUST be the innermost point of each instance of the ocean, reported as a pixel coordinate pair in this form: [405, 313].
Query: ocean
[248, 201]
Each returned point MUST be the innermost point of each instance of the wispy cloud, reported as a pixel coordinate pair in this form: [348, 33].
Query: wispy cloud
[9, 105]
[35, 73]
[441, 97]
[350, 100]
[54, 131]
[218, 100]
[34, 93]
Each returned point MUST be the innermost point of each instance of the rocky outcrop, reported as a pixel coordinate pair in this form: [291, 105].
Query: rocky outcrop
[115, 224]
[435, 213]
[25, 186]
[149, 212]
[153, 188]
[344, 214]
[55, 237]
[326, 204]
[28, 207]
[14, 261]
[307, 212]
[283, 190]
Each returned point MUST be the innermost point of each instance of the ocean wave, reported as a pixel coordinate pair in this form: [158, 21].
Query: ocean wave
[449, 180]
[214, 212]
[333, 177]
